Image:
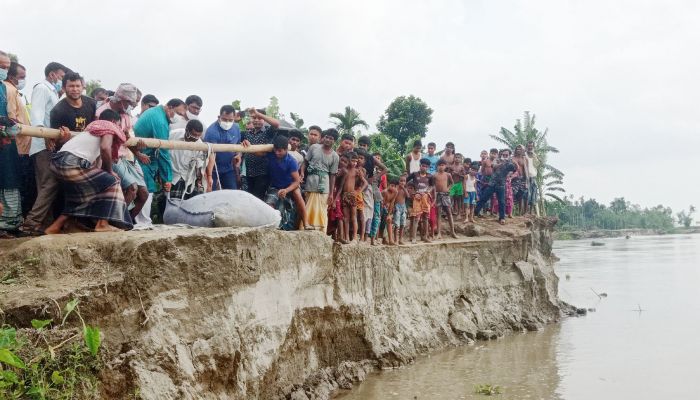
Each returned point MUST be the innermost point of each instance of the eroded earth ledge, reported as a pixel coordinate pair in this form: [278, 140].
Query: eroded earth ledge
[266, 314]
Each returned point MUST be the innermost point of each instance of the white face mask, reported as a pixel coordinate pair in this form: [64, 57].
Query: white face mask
[20, 84]
[191, 116]
[226, 125]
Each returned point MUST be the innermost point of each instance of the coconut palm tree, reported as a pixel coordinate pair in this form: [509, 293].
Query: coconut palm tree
[549, 179]
[345, 123]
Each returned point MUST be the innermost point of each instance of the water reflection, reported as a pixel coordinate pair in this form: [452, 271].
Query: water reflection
[613, 353]
[524, 364]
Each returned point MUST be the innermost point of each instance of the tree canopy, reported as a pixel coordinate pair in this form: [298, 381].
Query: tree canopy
[405, 118]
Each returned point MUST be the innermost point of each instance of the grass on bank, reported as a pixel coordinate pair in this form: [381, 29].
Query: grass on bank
[50, 361]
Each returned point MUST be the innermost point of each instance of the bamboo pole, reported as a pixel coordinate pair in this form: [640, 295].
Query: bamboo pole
[48, 133]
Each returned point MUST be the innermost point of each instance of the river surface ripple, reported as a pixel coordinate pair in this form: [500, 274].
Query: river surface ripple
[616, 352]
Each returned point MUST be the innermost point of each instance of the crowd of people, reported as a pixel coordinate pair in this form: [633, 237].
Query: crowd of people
[319, 180]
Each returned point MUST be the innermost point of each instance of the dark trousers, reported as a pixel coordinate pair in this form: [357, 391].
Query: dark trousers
[486, 194]
[228, 180]
[28, 187]
[48, 187]
[257, 185]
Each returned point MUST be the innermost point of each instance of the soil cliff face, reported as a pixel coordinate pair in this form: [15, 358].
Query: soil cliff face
[246, 314]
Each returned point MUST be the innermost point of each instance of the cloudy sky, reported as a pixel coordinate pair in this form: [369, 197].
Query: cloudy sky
[616, 82]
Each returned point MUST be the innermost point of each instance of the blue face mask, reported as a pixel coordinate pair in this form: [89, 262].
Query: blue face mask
[58, 86]
[3, 74]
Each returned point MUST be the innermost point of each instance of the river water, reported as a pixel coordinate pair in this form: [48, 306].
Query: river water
[616, 352]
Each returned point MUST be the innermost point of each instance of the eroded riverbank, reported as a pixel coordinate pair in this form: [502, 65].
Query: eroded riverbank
[236, 313]
[617, 352]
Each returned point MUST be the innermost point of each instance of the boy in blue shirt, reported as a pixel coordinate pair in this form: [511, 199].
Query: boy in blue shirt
[283, 172]
[432, 157]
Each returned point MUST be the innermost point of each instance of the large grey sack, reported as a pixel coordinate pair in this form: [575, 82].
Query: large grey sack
[221, 208]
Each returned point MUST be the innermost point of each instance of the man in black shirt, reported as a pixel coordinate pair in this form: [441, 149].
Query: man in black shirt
[256, 167]
[497, 185]
[75, 111]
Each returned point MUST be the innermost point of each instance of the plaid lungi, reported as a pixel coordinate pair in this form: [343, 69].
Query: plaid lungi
[179, 188]
[90, 192]
[11, 216]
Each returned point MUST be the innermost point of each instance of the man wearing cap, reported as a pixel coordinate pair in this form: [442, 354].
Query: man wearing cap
[129, 172]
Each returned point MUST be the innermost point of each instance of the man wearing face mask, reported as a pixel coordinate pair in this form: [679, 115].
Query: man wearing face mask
[17, 111]
[193, 106]
[16, 104]
[264, 130]
[10, 203]
[189, 165]
[225, 131]
[129, 171]
[44, 97]
[122, 102]
[156, 163]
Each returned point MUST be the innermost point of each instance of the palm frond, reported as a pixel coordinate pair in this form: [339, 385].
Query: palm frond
[549, 167]
[555, 197]
[500, 140]
[551, 175]
[556, 189]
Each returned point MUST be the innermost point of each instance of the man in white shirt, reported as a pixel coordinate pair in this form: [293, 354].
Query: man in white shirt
[189, 165]
[44, 97]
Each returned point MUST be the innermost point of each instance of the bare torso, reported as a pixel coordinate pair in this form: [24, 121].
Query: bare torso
[442, 181]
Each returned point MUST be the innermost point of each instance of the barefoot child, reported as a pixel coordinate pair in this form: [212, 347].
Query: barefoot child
[456, 190]
[336, 226]
[443, 202]
[466, 165]
[421, 184]
[400, 211]
[470, 194]
[361, 185]
[348, 197]
[388, 206]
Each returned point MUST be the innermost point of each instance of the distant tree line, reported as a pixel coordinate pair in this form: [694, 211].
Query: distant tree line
[582, 214]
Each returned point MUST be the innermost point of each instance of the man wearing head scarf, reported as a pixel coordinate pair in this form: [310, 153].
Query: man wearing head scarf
[130, 174]
[92, 192]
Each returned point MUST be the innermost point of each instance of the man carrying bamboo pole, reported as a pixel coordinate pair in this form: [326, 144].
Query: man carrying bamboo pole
[92, 192]
[129, 172]
[156, 163]
[224, 130]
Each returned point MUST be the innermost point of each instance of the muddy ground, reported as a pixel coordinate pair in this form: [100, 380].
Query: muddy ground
[259, 313]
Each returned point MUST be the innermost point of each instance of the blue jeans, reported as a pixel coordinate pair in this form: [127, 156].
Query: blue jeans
[228, 180]
[486, 194]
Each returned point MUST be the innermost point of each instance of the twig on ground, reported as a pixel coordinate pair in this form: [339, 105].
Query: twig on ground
[142, 308]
